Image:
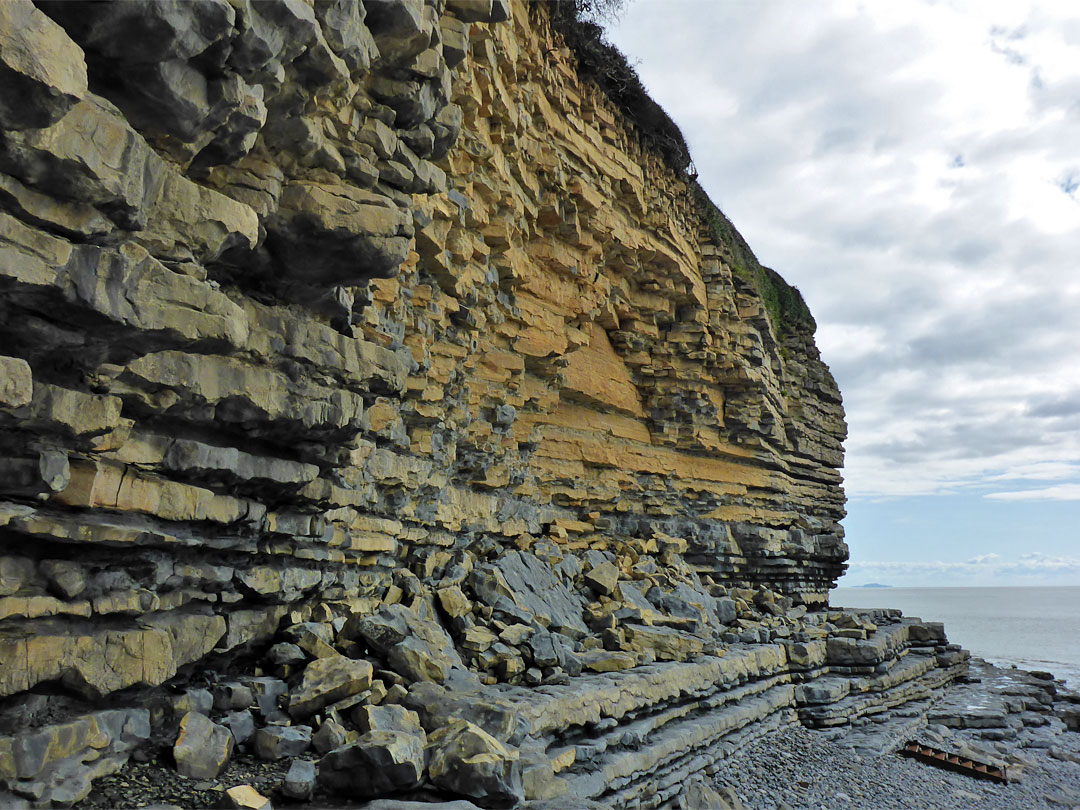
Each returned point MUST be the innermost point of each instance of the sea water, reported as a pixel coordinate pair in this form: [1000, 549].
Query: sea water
[1032, 628]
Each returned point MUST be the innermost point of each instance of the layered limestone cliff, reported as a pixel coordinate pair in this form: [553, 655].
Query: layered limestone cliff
[361, 351]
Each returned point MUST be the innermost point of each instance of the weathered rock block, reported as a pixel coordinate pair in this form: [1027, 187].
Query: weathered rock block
[300, 779]
[203, 748]
[279, 742]
[90, 154]
[327, 680]
[467, 760]
[57, 763]
[380, 762]
[42, 72]
[16, 383]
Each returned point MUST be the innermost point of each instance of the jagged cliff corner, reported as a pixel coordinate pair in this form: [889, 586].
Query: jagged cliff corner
[358, 357]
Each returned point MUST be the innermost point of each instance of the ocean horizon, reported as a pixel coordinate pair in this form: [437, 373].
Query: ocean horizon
[1030, 627]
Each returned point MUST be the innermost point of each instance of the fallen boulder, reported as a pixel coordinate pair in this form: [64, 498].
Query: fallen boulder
[203, 748]
[327, 680]
[468, 761]
[379, 763]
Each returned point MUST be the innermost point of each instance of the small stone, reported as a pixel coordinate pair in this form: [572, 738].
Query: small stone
[377, 692]
[241, 724]
[268, 692]
[278, 742]
[478, 639]
[603, 578]
[699, 796]
[516, 634]
[66, 578]
[606, 660]
[509, 668]
[418, 661]
[193, 700]
[314, 645]
[232, 696]
[16, 381]
[454, 602]
[299, 780]
[285, 654]
[330, 735]
[244, 797]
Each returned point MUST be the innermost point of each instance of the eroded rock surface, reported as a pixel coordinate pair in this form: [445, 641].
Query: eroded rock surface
[370, 394]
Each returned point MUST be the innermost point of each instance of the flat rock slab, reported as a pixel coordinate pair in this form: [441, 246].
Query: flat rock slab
[538, 589]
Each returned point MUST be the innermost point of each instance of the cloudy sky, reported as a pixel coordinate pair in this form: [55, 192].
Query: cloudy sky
[914, 168]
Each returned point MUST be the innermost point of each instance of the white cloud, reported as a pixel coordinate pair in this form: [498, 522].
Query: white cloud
[988, 569]
[1038, 471]
[1059, 492]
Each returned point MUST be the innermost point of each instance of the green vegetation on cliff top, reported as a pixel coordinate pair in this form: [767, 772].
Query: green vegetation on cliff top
[783, 302]
[604, 64]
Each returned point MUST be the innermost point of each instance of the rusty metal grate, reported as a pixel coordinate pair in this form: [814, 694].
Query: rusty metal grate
[953, 762]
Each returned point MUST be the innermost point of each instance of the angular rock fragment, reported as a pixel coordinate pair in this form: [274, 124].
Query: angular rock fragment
[278, 742]
[299, 782]
[418, 661]
[325, 234]
[607, 661]
[268, 694]
[401, 30]
[91, 154]
[379, 763]
[603, 577]
[330, 735]
[665, 643]
[146, 50]
[203, 748]
[16, 383]
[241, 724]
[454, 602]
[228, 696]
[468, 761]
[244, 797]
[386, 718]
[700, 796]
[285, 654]
[57, 762]
[327, 680]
